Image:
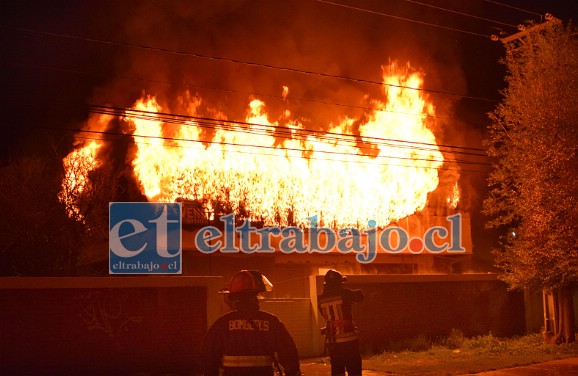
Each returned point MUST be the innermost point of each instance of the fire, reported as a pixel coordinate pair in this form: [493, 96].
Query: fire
[78, 164]
[282, 173]
[454, 197]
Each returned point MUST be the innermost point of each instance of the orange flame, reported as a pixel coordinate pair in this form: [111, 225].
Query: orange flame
[78, 164]
[454, 197]
[379, 174]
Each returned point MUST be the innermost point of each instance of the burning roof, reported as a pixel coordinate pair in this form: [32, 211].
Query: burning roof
[273, 169]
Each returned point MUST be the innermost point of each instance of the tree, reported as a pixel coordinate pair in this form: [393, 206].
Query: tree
[48, 219]
[86, 189]
[533, 194]
[37, 235]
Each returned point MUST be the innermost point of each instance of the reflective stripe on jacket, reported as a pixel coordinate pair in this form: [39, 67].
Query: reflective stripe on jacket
[335, 307]
[248, 343]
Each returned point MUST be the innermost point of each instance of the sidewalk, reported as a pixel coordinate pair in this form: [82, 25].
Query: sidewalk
[321, 367]
[562, 367]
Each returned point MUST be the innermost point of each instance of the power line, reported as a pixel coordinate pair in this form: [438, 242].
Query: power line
[290, 132]
[232, 91]
[401, 18]
[512, 7]
[248, 63]
[125, 135]
[461, 13]
[147, 116]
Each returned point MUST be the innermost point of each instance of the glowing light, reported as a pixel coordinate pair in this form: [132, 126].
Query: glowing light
[253, 171]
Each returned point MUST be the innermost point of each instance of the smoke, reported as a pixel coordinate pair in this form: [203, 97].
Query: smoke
[178, 37]
[306, 36]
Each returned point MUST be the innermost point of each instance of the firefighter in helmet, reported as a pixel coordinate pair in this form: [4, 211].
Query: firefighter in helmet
[248, 341]
[340, 332]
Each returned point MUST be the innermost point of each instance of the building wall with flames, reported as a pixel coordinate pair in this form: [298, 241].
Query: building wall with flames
[290, 271]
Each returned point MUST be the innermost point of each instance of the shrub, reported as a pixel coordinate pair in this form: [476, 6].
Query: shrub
[485, 343]
[454, 340]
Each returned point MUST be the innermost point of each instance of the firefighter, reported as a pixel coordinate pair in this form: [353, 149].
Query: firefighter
[248, 341]
[341, 338]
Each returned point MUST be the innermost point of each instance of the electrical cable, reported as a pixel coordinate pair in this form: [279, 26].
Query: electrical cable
[270, 129]
[512, 7]
[236, 61]
[401, 18]
[105, 133]
[461, 13]
[460, 161]
[232, 91]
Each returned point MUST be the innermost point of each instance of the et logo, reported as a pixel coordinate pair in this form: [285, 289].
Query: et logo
[145, 238]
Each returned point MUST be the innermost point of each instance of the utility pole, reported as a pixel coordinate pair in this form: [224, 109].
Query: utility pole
[523, 29]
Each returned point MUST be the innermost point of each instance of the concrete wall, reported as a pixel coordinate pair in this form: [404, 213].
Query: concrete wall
[398, 307]
[104, 325]
[298, 317]
[125, 325]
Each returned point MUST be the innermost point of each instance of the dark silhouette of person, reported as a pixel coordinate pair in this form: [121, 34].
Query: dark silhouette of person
[341, 337]
[248, 341]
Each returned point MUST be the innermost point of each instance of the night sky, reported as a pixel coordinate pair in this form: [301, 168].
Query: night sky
[58, 57]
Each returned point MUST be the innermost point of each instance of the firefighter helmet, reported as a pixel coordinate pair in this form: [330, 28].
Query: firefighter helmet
[248, 281]
[334, 277]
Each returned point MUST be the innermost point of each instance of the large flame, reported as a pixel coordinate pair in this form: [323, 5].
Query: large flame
[78, 164]
[284, 174]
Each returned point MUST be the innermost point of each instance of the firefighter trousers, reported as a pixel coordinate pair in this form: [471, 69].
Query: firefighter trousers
[345, 356]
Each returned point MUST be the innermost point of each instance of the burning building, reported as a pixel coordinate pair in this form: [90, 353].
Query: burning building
[383, 168]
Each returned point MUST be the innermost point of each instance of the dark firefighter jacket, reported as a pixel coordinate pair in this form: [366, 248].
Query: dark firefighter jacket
[249, 343]
[335, 307]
